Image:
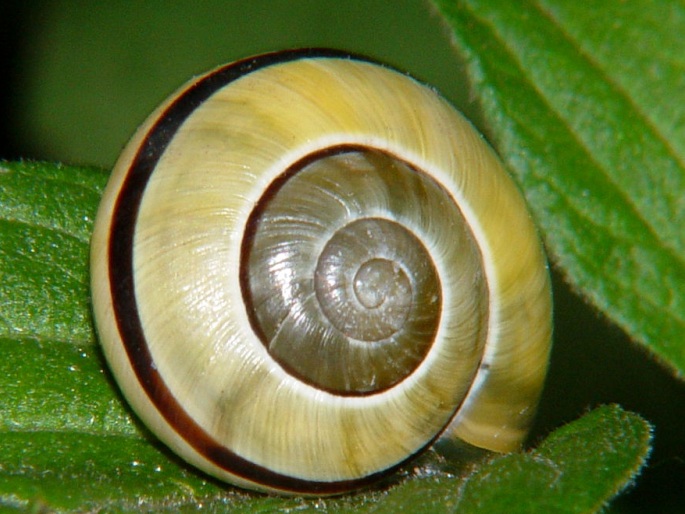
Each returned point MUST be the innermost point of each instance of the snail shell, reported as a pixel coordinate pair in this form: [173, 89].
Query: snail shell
[307, 267]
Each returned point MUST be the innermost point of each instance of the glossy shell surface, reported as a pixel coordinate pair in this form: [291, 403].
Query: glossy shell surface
[307, 267]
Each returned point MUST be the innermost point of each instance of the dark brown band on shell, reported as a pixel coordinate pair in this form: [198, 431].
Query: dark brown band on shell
[122, 283]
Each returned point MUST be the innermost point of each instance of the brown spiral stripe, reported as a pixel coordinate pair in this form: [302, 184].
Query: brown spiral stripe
[122, 281]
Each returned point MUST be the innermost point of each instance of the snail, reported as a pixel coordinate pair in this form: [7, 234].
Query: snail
[307, 267]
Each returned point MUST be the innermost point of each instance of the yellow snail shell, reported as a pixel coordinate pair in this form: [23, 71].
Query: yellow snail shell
[307, 267]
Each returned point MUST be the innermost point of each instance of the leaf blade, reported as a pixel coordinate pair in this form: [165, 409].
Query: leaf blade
[578, 468]
[604, 180]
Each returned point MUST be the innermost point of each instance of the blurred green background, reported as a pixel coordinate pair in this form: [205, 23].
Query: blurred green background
[79, 76]
[85, 74]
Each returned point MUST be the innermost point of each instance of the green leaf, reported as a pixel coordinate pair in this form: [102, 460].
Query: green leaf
[585, 102]
[68, 443]
[578, 468]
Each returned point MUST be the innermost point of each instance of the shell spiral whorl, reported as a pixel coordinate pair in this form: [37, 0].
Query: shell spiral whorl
[343, 275]
[307, 267]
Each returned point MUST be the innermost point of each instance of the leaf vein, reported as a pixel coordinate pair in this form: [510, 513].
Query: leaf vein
[625, 197]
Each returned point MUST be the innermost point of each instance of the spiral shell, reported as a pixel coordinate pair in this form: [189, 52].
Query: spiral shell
[307, 267]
